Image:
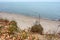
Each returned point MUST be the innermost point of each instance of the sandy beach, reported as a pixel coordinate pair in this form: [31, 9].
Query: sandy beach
[24, 22]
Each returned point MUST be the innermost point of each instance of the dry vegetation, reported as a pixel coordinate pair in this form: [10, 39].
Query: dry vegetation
[10, 31]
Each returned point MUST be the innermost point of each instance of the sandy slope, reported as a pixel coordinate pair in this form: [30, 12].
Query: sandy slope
[24, 22]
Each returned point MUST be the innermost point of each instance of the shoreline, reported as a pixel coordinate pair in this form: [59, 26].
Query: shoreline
[24, 22]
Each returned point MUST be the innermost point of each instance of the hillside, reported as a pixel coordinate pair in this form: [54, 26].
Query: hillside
[24, 22]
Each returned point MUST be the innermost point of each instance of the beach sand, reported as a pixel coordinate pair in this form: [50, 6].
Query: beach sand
[24, 22]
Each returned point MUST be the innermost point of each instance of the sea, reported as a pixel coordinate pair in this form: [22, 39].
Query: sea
[49, 10]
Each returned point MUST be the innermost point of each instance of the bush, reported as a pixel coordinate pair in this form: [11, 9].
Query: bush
[14, 23]
[37, 29]
[13, 27]
[1, 27]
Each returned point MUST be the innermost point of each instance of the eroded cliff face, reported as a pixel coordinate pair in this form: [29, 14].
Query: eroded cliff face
[24, 22]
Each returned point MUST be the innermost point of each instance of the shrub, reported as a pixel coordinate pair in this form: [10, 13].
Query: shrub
[14, 23]
[1, 27]
[13, 27]
[37, 29]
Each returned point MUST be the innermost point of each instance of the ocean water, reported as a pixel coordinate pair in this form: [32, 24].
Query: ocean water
[45, 9]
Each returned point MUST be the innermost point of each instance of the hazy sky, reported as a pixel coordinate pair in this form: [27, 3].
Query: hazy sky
[29, 0]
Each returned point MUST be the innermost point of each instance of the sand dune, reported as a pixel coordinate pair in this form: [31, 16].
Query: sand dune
[24, 22]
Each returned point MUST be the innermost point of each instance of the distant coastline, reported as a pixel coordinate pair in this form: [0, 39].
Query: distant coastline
[57, 19]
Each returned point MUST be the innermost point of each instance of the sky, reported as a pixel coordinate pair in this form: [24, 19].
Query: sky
[29, 0]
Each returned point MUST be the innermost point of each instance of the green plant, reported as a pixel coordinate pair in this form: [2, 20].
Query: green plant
[13, 23]
[1, 27]
[37, 29]
[13, 27]
[0, 31]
